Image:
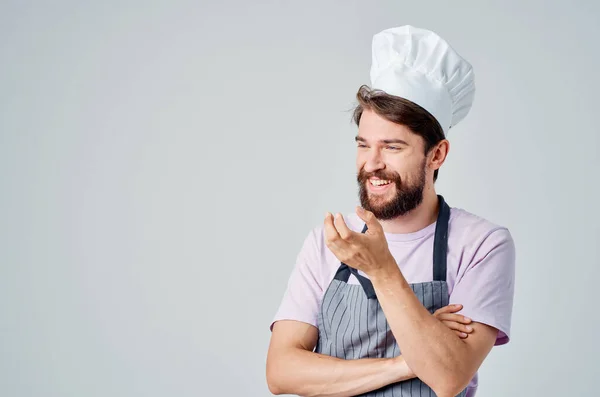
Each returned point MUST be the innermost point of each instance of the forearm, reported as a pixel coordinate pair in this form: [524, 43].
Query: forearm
[435, 354]
[305, 373]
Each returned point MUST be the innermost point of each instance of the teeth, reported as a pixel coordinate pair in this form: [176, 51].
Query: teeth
[379, 182]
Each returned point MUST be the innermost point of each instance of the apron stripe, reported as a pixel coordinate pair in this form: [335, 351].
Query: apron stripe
[355, 316]
[431, 301]
[377, 352]
[328, 298]
[337, 321]
[331, 297]
[342, 352]
[345, 334]
[361, 328]
[368, 332]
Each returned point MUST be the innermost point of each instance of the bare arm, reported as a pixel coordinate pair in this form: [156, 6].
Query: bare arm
[435, 353]
[293, 367]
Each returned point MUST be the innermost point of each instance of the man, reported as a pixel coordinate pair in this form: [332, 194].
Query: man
[371, 305]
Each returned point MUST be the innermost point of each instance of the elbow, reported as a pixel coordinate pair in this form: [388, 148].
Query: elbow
[278, 385]
[274, 388]
[284, 378]
[450, 385]
[277, 381]
[451, 381]
[273, 382]
[447, 392]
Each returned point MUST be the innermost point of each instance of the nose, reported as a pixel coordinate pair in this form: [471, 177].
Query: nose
[374, 161]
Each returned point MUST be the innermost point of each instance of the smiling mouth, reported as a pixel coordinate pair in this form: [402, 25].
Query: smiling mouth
[379, 182]
[379, 186]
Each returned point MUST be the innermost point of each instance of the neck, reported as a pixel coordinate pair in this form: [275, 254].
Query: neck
[422, 216]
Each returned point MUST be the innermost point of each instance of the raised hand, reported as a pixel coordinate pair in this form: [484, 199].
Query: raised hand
[367, 251]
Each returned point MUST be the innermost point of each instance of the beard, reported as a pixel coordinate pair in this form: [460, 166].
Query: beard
[408, 195]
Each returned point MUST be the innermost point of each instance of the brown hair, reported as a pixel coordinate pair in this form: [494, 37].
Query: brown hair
[400, 111]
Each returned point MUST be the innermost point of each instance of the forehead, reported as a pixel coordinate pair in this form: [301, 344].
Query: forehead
[373, 127]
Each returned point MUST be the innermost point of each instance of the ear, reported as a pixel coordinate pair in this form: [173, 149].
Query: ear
[438, 154]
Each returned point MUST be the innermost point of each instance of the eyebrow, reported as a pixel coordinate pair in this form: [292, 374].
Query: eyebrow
[386, 141]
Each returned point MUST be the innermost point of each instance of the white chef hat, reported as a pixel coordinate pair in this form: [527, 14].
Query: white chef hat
[418, 65]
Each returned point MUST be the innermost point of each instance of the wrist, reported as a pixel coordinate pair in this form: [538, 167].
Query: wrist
[389, 271]
[401, 370]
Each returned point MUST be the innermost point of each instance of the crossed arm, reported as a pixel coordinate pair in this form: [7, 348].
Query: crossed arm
[293, 367]
[445, 362]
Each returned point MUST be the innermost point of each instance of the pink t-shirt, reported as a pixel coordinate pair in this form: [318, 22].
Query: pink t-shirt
[480, 271]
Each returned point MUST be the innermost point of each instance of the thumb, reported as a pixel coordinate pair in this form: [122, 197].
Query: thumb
[368, 217]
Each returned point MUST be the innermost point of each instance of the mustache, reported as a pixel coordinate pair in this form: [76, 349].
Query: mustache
[364, 176]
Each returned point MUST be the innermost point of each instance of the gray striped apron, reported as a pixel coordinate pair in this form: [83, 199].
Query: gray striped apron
[352, 324]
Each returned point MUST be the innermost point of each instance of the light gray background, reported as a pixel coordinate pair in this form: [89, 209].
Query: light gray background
[161, 164]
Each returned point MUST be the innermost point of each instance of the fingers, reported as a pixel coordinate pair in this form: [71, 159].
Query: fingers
[331, 233]
[343, 230]
[448, 309]
[333, 239]
[459, 318]
[455, 322]
[372, 223]
[454, 326]
[336, 228]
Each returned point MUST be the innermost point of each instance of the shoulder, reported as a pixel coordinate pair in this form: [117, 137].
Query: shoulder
[477, 243]
[471, 230]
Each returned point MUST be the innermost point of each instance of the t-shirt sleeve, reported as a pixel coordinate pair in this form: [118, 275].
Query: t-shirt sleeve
[304, 291]
[486, 288]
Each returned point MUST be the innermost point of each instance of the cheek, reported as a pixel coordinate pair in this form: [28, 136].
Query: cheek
[397, 164]
[360, 162]
[404, 166]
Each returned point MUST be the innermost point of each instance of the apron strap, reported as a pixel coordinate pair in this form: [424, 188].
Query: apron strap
[440, 242]
[440, 251]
